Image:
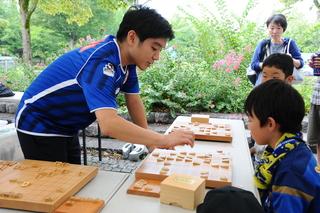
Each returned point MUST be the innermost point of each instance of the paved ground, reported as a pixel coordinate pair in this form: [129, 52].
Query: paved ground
[111, 152]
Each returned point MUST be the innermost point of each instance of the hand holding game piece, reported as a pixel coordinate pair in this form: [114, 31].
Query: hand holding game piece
[181, 137]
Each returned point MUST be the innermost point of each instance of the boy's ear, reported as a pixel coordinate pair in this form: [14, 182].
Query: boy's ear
[131, 37]
[272, 124]
[289, 79]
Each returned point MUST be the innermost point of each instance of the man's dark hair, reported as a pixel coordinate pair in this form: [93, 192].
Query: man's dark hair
[146, 22]
[281, 61]
[277, 99]
[278, 19]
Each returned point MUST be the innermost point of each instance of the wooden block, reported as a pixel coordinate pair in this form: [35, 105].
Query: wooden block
[150, 188]
[200, 118]
[182, 190]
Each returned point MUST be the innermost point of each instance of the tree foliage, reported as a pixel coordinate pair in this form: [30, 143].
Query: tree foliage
[77, 11]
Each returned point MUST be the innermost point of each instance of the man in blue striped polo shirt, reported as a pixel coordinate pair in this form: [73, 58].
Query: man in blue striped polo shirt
[82, 85]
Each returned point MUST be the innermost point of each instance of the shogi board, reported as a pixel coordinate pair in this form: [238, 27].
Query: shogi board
[215, 166]
[41, 186]
[207, 131]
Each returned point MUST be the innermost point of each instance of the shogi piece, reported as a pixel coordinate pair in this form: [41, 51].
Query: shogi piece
[200, 118]
[182, 190]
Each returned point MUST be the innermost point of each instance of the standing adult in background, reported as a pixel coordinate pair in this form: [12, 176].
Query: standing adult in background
[313, 136]
[276, 26]
[82, 85]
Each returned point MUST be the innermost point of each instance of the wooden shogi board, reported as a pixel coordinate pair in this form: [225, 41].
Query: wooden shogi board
[215, 166]
[207, 131]
[41, 186]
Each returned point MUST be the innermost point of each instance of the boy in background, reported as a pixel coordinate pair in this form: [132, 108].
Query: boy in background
[280, 66]
[287, 176]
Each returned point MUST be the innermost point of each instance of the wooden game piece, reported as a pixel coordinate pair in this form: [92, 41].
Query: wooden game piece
[87, 199]
[81, 173]
[165, 168]
[25, 184]
[65, 171]
[223, 165]
[167, 163]
[192, 153]
[17, 195]
[179, 159]
[50, 174]
[163, 172]
[196, 163]
[160, 159]
[23, 167]
[148, 188]
[60, 190]
[207, 161]
[49, 199]
[204, 176]
[17, 167]
[188, 160]
[155, 154]
[57, 163]
[6, 194]
[70, 203]
[138, 186]
[12, 163]
[173, 154]
[13, 180]
[65, 164]
[143, 182]
[95, 200]
[183, 153]
[73, 198]
[170, 158]
[224, 178]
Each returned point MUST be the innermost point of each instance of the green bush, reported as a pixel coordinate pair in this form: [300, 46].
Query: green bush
[182, 84]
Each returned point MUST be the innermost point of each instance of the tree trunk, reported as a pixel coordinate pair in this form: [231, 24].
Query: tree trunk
[72, 44]
[25, 15]
[26, 41]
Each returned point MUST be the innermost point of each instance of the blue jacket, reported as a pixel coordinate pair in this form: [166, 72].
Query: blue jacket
[296, 184]
[293, 50]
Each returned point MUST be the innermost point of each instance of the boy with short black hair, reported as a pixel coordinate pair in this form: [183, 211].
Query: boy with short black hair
[276, 65]
[287, 176]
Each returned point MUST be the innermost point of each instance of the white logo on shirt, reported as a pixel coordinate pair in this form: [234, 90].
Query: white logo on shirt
[108, 70]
